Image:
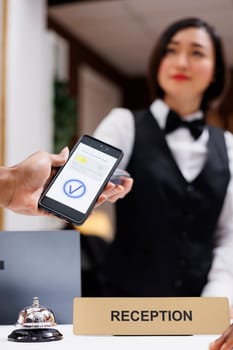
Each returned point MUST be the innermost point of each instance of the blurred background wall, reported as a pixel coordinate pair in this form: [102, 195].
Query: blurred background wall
[28, 93]
[97, 52]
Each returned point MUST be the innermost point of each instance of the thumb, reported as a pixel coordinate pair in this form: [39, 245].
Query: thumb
[65, 152]
[61, 158]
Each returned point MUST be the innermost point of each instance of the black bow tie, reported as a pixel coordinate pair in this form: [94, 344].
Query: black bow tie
[174, 121]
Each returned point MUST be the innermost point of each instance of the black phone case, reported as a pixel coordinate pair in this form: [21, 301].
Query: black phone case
[63, 211]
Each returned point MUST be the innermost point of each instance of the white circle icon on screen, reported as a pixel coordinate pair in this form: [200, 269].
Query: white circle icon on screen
[74, 188]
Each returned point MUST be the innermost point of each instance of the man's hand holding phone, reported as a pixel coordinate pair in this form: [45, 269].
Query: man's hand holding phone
[82, 182]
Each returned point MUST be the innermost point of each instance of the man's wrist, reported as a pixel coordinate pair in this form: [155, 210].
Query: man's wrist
[7, 186]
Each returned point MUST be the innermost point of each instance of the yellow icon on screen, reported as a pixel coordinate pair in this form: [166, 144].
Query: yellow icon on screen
[81, 159]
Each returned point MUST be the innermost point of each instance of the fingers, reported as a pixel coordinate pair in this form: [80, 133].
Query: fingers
[224, 342]
[121, 190]
[228, 345]
[216, 345]
[102, 198]
[113, 192]
[128, 184]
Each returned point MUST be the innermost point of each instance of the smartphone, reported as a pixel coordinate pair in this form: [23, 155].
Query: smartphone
[73, 192]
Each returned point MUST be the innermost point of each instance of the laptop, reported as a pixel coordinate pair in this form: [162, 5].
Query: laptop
[43, 264]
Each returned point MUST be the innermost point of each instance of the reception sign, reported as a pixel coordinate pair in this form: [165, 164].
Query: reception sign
[150, 316]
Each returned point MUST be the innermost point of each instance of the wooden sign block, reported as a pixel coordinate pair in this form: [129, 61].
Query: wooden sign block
[150, 316]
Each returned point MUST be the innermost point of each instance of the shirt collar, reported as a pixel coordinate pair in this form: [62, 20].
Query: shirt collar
[160, 110]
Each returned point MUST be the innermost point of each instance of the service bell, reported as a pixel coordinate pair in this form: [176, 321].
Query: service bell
[36, 322]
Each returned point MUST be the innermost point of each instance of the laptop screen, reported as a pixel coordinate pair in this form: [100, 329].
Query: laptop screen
[43, 264]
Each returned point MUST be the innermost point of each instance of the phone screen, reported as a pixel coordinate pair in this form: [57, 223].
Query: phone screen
[78, 184]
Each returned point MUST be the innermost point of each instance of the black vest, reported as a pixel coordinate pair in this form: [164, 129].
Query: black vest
[165, 226]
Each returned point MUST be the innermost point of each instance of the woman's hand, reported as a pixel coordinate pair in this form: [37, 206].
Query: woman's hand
[114, 192]
[224, 342]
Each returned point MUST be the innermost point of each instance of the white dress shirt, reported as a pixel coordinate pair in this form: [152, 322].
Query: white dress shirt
[118, 129]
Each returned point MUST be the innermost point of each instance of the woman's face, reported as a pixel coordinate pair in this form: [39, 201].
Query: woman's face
[188, 66]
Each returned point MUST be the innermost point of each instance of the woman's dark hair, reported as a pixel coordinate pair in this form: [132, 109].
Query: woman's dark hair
[217, 88]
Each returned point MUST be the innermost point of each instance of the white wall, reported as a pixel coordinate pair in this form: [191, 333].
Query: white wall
[30, 69]
[97, 96]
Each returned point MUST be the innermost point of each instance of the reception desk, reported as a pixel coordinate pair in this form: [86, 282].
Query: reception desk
[71, 341]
